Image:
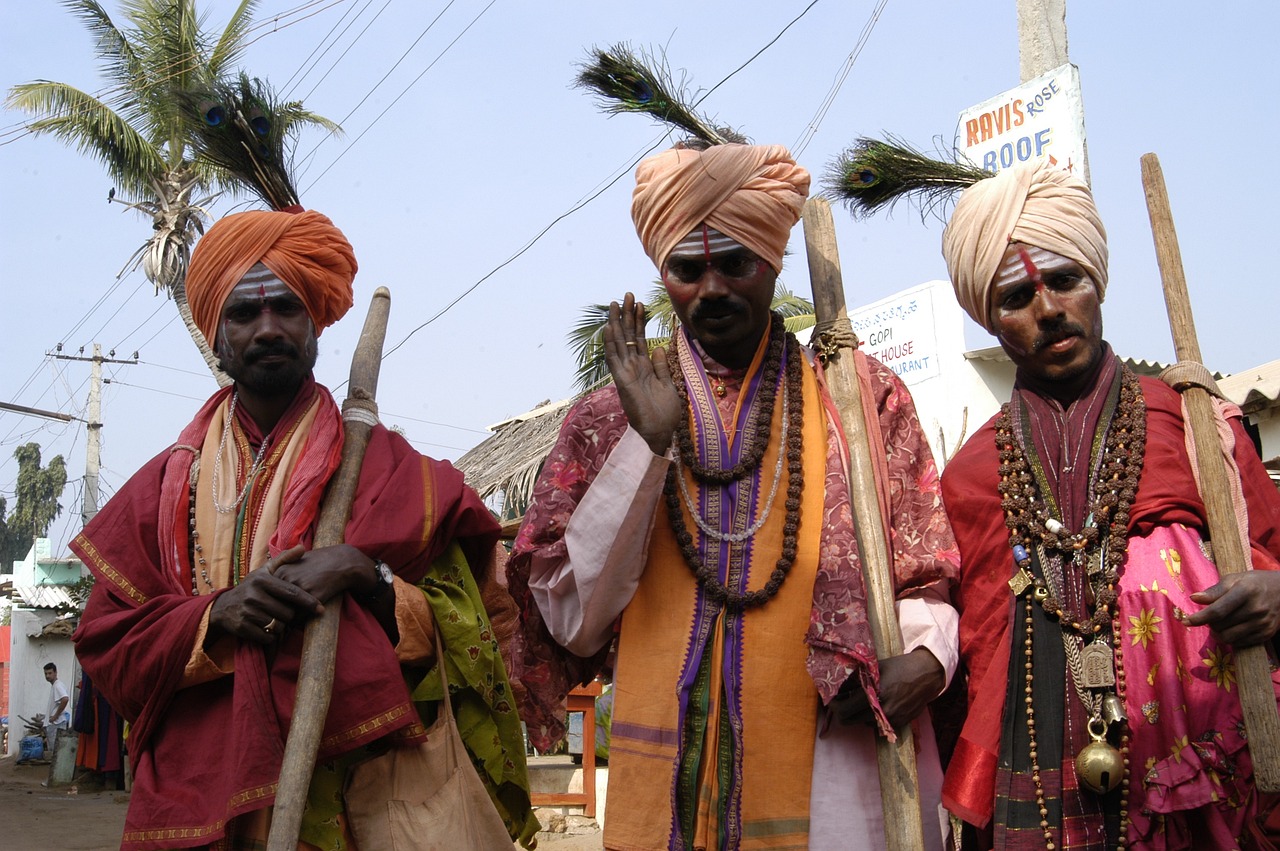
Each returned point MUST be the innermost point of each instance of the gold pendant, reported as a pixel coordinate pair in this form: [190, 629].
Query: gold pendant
[1097, 668]
[1020, 582]
[719, 388]
[1099, 765]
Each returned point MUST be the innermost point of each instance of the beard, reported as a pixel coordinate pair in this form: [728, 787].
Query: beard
[274, 379]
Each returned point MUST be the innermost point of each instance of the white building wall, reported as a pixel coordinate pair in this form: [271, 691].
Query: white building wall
[29, 652]
[919, 334]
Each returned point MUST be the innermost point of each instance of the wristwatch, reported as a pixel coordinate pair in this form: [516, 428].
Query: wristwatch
[386, 579]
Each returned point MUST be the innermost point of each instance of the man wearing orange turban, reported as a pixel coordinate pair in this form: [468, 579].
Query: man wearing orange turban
[1099, 713]
[207, 572]
[747, 692]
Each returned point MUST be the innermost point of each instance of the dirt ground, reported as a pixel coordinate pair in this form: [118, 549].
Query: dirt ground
[70, 818]
[83, 817]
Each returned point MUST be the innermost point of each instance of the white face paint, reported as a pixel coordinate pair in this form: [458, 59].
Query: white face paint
[703, 242]
[258, 284]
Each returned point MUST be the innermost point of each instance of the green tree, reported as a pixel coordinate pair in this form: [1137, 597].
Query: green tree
[140, 130]
[587, 337]
[36, 505]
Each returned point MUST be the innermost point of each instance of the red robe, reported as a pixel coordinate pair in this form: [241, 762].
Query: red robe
[1166, 495]
[205, 754]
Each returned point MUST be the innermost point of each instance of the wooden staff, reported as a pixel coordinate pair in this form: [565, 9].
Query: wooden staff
[320, 642]
[1253, 671]
[899, 787]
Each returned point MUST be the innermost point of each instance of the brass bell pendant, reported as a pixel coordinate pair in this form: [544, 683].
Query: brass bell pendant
[1099, 766]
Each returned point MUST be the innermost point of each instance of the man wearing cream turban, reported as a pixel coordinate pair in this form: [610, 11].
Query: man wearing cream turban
[747, 693]
[207, 574]
[1100, 714]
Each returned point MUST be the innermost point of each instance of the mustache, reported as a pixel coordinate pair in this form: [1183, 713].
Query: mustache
[1059, 332]
[259, 352]
[718, 309]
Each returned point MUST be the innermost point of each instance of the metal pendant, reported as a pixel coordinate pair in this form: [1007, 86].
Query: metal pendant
[1113, 709]
[1020, 582]
[1097, 668]
[1099, 765]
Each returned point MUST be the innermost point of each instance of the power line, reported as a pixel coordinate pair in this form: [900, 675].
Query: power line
[590, 198]
[812, 128]
[396, 100]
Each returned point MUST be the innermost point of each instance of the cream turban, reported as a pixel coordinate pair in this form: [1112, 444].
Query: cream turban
[1035, 203]
[304, 250]
[752, 193]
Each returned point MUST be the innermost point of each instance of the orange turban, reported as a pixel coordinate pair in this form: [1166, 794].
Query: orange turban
[752, 193]
[304, 250]
[1035, 203]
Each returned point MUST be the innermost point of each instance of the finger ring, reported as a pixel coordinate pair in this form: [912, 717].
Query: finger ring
[632, 343]
[270, 627]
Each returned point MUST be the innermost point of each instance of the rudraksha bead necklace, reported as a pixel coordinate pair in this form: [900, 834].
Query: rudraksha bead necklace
[705, 574]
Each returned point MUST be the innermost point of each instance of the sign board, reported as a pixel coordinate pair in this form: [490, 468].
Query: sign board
[899, 331]
[1041, 117]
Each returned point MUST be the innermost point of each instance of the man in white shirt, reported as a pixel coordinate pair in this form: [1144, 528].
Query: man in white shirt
[57, 714]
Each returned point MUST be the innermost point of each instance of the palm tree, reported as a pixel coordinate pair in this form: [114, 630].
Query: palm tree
[587, 337]
[141, 132]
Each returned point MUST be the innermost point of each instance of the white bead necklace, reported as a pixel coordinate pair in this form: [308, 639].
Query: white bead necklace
[739, 537]
[217, 463]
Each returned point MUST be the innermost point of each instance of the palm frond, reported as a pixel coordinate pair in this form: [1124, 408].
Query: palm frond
[875, 174]
[626, 81]
[586, 341]
[91, 127]
[790, 305]
[230, 46]
[117, 58]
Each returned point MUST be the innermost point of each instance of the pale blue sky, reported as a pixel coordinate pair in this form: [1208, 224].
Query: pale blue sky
[492, 144]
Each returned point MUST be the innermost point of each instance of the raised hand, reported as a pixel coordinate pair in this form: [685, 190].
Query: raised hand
[649, 399]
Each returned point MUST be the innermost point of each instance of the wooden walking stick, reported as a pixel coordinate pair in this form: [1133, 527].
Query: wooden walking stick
[899, 787]
[1253, 671]
[320, 642]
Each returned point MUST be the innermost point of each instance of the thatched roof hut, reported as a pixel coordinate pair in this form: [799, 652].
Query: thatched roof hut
[504, 467]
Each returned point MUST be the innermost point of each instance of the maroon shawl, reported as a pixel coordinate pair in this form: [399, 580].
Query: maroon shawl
[207, 753]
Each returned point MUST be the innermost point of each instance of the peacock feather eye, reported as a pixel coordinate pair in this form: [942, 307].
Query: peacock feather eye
[641, 91]
[866, 177]
[214, 114]
[260, 125]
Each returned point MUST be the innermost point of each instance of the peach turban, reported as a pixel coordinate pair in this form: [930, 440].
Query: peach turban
[1034, 203]
[752, 193]
[304, 250]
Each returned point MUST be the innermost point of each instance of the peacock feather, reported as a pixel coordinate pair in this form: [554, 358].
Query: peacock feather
[875, 174]
[627, 81]
[243, 130]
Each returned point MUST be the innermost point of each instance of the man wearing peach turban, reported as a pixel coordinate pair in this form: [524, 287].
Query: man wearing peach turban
[207, 574]
[701, 504]
[1099, 712]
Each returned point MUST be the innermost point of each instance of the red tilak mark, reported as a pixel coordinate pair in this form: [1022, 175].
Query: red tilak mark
[706, 243]
[1033, 272]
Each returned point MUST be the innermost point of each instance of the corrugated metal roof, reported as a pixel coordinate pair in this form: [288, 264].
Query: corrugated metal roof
[43, 596]
[1253, 389]
[1153, 368]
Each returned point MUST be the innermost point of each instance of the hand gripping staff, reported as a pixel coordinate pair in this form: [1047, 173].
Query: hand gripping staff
[320, 641]
[1230, 553]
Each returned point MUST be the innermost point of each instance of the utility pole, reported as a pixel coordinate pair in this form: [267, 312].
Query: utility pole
[94, 425]
[1042, 46]
[1042, 36]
